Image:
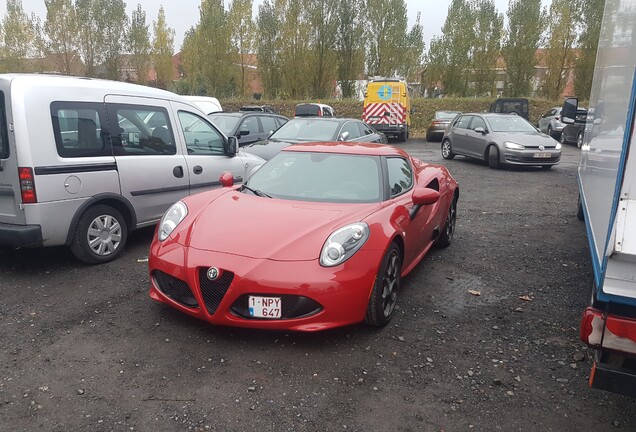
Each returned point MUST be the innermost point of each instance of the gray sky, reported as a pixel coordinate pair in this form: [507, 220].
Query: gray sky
[182, 14]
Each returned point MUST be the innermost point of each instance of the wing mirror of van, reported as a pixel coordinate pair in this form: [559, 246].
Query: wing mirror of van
[568, 111]
[226, 179]
[232, 146]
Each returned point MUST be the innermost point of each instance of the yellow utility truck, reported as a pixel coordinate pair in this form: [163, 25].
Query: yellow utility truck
[387, 107]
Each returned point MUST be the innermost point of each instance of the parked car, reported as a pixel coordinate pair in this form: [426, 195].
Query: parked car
[518, 106]
[314, 110]
[500, 139]
[550, 122]
[337, 227]
[249, 127]
[88, 161]
[258, 108]
[439, 124]
[315, 129]
[206, 104]
[575, 132]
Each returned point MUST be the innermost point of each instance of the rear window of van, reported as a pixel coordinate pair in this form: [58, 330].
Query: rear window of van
[307, 110]
[4, 135]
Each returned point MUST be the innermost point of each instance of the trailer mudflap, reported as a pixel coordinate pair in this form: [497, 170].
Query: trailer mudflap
[614, 379]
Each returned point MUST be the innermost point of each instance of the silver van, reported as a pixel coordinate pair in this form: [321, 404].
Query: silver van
[83, 162]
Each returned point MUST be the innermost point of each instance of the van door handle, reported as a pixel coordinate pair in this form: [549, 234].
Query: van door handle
[198, 169]
[178, 171]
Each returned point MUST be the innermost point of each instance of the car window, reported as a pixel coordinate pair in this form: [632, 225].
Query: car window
[352, 128]
[478, 122]
[326, 112]
[200, 136]
[269, 124]
[510, 123]
[400, 175]
[308, 129]
[280, 121]
[4, 136]
[77, 127]
[364, 129]
[141, 130]
[549, 113]
[462, 122]
[250, 124]
[226, 123]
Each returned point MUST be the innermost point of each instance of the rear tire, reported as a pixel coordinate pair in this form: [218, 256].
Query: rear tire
[402, 136]
[493, 157]
[447, 150]
[100, 235]
[385, 289]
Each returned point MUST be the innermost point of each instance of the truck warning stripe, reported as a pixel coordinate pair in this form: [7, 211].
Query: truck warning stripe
[396, 113]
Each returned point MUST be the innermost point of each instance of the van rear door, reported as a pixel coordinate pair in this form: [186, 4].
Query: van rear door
[10, 195]
[152, 167]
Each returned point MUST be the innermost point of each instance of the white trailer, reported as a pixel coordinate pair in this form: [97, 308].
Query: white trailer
[607, 201]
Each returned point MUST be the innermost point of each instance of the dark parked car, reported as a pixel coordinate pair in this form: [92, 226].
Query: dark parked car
[304, 129]
[258, 108]
[500, 139]
[575, 133]
[518, 106]
[438, 125]
[248, 127]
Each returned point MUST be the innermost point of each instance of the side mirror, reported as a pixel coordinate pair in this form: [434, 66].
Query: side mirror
[425, 196]
[480, 130]
[232, 146]
[226, 179]
[343, 136]
[244, 132]
[568, 112]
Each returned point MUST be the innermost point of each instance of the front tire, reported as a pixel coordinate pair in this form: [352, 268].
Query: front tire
[448, 232]
[385, 289]
[562, 139]
[100, 235]
[447, 150]
[579, 140]
[493, 157]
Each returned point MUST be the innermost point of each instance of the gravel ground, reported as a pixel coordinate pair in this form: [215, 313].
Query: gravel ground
[84, 348]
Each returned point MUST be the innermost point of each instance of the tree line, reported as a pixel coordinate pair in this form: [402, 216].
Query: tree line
[304, 46]
[465, 58]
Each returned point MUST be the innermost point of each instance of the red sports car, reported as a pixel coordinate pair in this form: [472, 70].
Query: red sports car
[319, 237]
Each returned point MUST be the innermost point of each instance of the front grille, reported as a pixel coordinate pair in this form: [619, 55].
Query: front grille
[174, 288]
[213, 291]
[293, 306]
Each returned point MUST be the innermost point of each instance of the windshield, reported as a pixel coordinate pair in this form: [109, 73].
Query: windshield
[307, 130]
[320, 177]
[225, 123]
[446, 115]
[511, 123]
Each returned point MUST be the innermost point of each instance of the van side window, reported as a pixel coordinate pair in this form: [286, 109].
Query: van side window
[201, 138]
[80, 129]
[141, 130]
[4, 135]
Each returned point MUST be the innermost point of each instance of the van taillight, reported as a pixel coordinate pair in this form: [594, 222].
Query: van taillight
[27, 185]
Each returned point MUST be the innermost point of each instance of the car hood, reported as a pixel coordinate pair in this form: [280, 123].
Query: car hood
[267, 149]
[528, 139]
[277, 229]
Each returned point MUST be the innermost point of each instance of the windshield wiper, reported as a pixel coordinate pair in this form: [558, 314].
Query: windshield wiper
[256, 192]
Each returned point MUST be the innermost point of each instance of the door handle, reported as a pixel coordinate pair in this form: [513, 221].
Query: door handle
[178, 171]
[198, 169]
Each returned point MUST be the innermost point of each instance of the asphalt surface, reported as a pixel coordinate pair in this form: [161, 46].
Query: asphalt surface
[485, 337]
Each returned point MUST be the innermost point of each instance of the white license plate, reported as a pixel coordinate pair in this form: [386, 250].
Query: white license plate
[265, 307]
[542, 155]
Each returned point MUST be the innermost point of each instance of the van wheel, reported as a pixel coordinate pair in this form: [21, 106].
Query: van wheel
[493, 157]
[402, 136]
[100, 235]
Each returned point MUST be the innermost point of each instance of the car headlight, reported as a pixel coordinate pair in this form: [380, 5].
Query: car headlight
[343, 243]
[513, 146]
[171, 219]
[558, 146]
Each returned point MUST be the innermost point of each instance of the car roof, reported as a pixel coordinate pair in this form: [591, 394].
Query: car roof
[350, 148]
[325, 119]
[245, 114]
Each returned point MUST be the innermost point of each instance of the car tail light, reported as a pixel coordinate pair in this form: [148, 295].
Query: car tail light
[610, 331]
[436, 122]
[27, 185]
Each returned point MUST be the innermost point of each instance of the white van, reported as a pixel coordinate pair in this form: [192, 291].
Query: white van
[83, 162]
[206, 104]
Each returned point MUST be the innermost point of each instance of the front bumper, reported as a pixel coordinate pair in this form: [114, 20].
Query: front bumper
[314, 297]
[527, 157]
[20, 235]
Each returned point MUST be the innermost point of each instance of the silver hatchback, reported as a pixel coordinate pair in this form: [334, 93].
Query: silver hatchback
[500, 139]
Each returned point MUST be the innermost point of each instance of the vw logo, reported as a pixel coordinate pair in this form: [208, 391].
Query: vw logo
[541, 147]
[213, 273]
